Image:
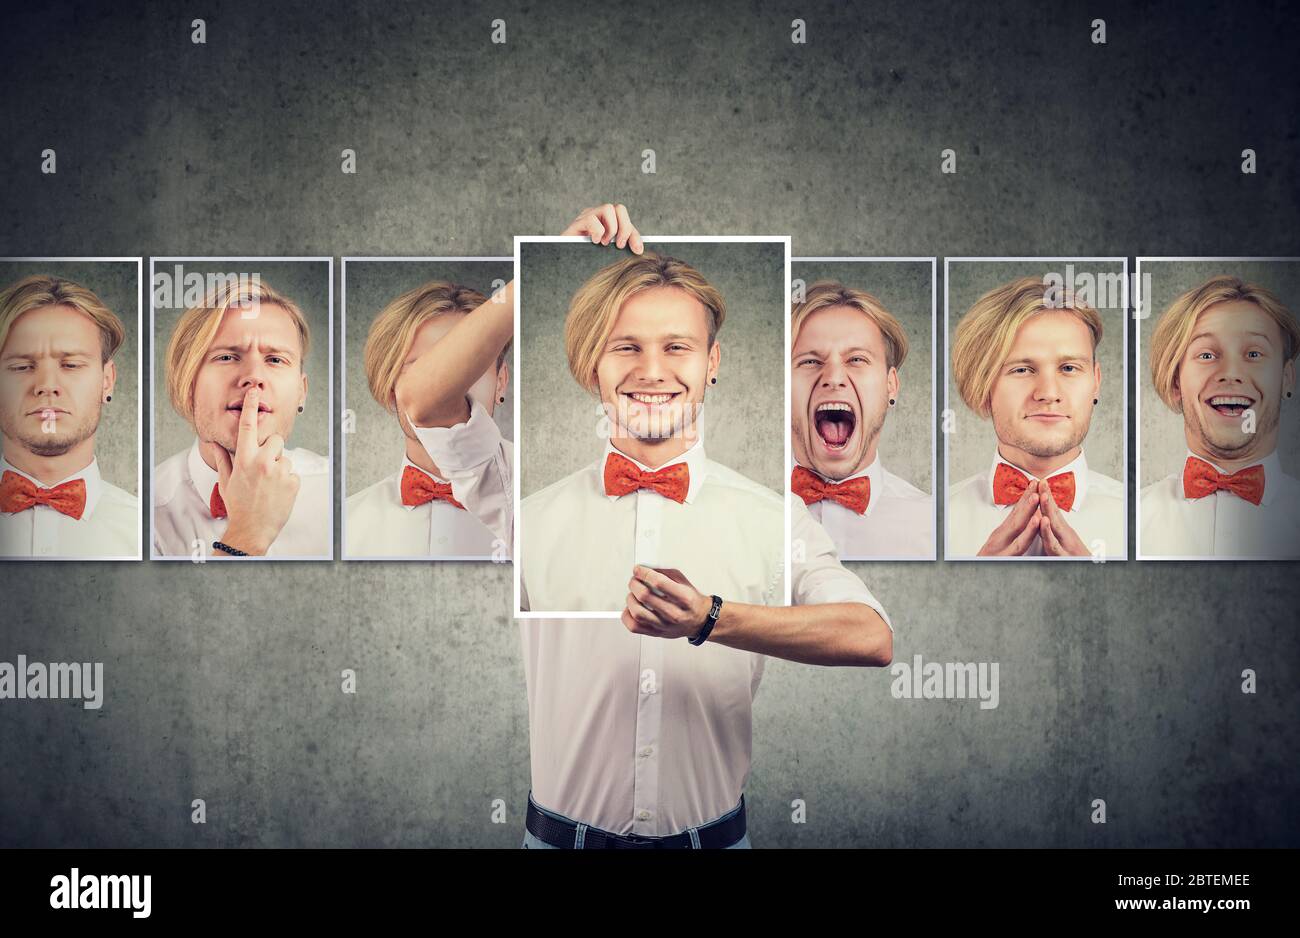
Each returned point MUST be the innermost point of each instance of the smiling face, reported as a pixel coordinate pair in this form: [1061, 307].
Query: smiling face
[1042, 397]
[255, 345]
[52, 380]
[1234, 362]
[653, 371]
[840, 388]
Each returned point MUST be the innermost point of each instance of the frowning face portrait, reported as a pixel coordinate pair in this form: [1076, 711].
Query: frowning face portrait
[255, 346]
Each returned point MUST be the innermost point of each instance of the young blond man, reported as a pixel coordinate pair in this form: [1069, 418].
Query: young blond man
[57, 342]
[1025, 357]
[235, 371]
[846, 352]
[413, 512]
[1223, 356]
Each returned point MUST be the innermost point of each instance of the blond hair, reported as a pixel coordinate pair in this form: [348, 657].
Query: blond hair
[198, 325]
[393, 331]
[988, 330]
[42, 290]
[1174, 330]
[595, 307]
[826, 294]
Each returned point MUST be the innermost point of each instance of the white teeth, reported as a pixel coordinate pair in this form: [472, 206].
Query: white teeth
[833, 405]
[1229, 401]
[651, 398]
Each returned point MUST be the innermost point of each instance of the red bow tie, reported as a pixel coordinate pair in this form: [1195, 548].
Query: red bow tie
[622, 476]
[1009, 483]
[216, 507]
[855, 494]
[419, 487]
[18, 493]
[1201, 479]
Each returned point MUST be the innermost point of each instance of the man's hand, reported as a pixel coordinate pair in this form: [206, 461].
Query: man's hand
[1016, 533]
[258, 486]
[1059, 539]
[605, 222]
[679, 613]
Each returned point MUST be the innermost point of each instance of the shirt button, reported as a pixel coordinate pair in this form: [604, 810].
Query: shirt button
[648, 533]
[643, 815]
[647, 751]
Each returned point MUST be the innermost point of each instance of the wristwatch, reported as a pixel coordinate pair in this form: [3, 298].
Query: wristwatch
[709, 623]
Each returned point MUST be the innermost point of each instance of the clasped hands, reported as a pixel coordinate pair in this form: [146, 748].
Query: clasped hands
[1035, 515]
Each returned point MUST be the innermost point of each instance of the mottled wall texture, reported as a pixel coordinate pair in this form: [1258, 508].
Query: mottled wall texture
[1119, 681]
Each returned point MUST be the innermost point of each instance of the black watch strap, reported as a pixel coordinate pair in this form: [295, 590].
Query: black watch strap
[709, 623]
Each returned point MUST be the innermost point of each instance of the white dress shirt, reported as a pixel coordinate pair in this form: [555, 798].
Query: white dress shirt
[1221, 524]
[578, 545]
[898, 523]
[379, 525]
[479, 463]
[108, 529]
[1097, 514]
[650, 736]
[182, 488]
[634, 734]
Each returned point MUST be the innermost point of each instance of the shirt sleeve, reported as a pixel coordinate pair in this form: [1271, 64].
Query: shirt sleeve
[819, 577]
[476, 460]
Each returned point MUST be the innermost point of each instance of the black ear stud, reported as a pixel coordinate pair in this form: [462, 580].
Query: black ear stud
[300, 408]
[892, 402]
[1094, 400]
[501, 399]
[713, 381]
[110, 397]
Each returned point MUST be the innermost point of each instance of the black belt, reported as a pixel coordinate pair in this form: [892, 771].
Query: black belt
[720, 833]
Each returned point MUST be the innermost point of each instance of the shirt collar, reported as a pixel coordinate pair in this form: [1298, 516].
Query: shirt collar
[696, 465]
[90, 475]
[1079, 466]
[1272, 473]
[406, 461]
[202, 475]
[875, 472]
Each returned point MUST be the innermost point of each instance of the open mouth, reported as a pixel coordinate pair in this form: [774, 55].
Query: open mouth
[835, 422]
[1230, 405]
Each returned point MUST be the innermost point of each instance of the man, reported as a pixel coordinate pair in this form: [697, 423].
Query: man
[1031, 366]
[845, 354]
[593, 686]
[413, 513]
[57, 341]
[1223, 355]
[235, 373]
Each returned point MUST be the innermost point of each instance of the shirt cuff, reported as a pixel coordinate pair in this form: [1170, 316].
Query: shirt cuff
[464, 445]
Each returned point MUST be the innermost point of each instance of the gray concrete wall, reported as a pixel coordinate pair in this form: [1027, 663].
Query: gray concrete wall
[1118, 681]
